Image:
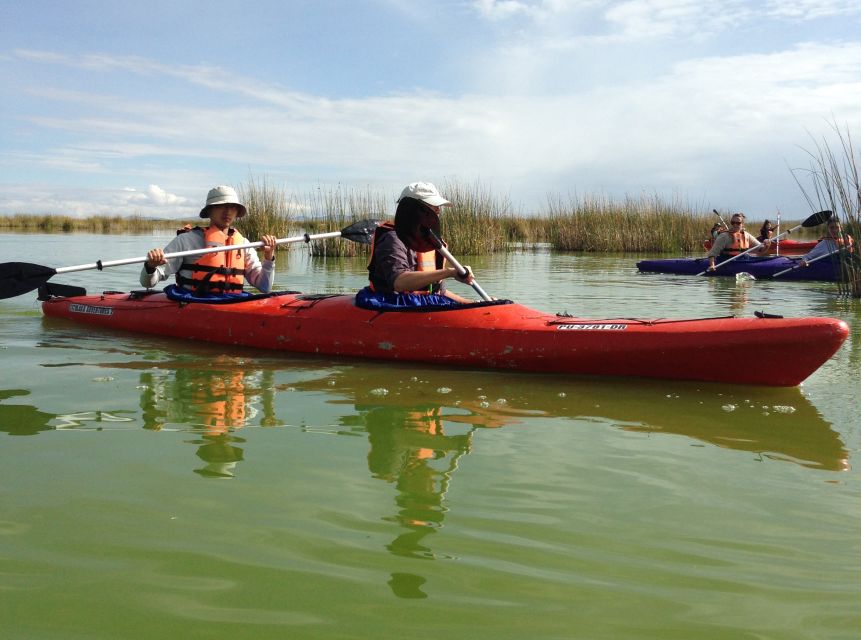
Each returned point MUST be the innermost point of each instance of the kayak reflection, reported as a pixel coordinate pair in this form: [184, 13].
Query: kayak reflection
[777, 424]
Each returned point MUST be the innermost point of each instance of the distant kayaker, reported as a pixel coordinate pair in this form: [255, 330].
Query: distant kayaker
[765, 231]
[402, 260]
[213, 273]
[735, 241]
[828, 244]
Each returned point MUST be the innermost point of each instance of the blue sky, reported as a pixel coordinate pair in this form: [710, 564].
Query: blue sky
[139, 108]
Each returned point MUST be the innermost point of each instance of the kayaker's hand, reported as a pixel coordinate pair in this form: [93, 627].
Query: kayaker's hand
[803, 263]
[467, 278]
[269, 247]
[154, 258]
[711, 268]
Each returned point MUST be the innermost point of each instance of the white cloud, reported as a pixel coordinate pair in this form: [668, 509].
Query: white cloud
[679, 128]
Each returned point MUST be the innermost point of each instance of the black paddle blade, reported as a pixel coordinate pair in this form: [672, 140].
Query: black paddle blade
[361, 231]
[817, 218]
[17, 278]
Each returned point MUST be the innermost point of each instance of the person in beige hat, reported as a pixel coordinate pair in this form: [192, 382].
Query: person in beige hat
[402, 259]
[223, 272]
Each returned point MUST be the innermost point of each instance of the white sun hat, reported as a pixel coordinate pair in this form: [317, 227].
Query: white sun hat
[424, 191]
[222, 194]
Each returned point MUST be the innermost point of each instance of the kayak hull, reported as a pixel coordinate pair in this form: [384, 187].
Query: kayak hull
[487, 336]
[761, 267]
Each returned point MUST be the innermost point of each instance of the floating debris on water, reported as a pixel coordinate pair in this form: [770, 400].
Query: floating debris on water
[729, 407]
[782, 408]
[380, 391]
[443, 390]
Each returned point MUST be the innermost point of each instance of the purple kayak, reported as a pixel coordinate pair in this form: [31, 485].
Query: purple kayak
[761, 267]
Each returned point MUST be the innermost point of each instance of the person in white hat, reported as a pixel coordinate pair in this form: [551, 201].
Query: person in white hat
[223, 272]
[402, 259]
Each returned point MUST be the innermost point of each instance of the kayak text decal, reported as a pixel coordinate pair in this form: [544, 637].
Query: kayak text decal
[88, 308]
[591, 327]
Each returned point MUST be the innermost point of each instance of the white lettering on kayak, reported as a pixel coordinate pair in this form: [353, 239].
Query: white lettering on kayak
[88, 308]
[591, 327]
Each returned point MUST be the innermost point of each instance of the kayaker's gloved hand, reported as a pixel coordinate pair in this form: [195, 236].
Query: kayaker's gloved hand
[466, 278]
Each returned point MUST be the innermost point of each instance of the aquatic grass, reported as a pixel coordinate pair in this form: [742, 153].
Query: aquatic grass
[50, 223]
[643, 224]
[835, 184]
[332, 209]
[269, 210]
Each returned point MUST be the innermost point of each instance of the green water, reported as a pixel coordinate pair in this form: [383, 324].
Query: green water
[153, 488]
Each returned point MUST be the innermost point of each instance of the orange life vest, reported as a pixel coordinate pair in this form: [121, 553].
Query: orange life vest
[221, 272]
[738, 245]
[222, 403]
[425, 260]
[842, 241]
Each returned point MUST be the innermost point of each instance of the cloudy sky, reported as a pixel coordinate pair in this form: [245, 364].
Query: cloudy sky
[138, 108]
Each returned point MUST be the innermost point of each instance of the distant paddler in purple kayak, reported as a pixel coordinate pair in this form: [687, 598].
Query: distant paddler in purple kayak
[736, 241]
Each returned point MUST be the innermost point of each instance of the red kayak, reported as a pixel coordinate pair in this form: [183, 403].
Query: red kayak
[771, 351]
[783, 247]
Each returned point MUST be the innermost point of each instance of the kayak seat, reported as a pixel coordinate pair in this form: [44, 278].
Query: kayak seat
[178, 294]
[375, 301]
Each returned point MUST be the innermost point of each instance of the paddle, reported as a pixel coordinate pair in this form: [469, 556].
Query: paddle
[813, 221]
[438, 245]
[17, 278]
[809, 262]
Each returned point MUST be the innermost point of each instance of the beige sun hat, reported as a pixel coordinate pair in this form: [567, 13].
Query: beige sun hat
[424, 191]
[222, 194]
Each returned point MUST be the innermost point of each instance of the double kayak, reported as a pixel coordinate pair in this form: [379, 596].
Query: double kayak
[761, 267]
[499, 334]
[782, 247]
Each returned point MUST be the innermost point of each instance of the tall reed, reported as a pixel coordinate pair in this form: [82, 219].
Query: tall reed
[835, 184]
[336, 208]
[644, 224]
[472, 225]
[269, 211]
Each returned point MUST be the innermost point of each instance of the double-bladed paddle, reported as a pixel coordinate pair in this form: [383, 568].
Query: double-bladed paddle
[809, 262]
[17, 278]
[461, 271]
[813, 221]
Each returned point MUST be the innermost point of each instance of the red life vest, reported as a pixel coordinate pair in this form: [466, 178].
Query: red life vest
[425, 260]
[221, 272]
[738, 245]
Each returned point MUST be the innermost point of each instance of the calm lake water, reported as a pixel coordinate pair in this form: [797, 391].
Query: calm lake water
[154, 488]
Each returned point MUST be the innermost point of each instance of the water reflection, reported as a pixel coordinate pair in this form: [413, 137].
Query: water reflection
[420, 424]
[22, 419]
[775, 423]
[214, 400]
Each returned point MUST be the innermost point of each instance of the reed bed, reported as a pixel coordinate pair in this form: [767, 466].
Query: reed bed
[644, 224]
[269, 211]
[334, 209]
[835, 184]
[478, 222]
[28, 223]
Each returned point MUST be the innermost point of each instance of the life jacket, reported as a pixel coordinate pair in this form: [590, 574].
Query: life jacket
[221, 403]
[220, 272]
[425, 260]
[738, 245]
[843, 241]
